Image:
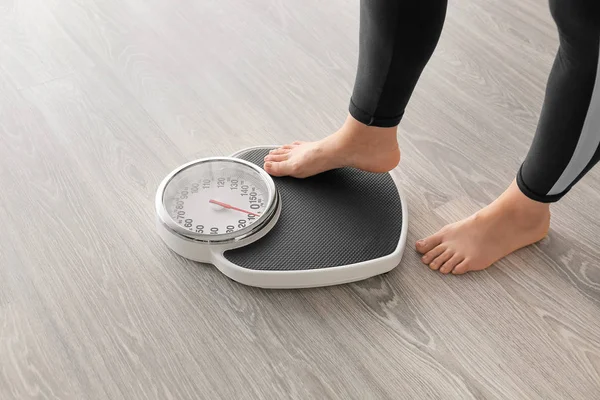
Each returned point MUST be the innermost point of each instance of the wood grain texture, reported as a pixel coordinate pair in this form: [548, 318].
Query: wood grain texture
[100, 99]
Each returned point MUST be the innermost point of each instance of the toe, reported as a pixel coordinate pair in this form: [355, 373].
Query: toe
[429, 243]
[274, 168]
[283, 168]
[451, 263]
[441, 259]
[277, 157]
[432, 254]
[297, 143]
[461, 268]
[280, 150]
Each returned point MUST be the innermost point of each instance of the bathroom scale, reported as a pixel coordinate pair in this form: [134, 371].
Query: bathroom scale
[340, 226]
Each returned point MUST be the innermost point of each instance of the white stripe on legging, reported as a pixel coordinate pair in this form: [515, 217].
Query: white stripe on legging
[587, 144]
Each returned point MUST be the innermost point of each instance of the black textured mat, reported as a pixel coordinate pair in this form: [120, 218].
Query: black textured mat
[336, 218]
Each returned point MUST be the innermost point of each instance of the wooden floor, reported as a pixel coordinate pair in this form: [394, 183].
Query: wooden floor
[99, 100]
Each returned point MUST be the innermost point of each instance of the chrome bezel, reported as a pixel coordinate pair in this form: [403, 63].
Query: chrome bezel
[173, 226]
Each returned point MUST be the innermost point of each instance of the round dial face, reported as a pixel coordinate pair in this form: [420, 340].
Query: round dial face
[218, 197]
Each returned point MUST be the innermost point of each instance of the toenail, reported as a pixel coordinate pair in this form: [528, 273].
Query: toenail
[268, 165]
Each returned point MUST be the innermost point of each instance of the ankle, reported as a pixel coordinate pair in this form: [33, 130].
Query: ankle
[356, 129]
[521, 210]
[527, 215]
[523, 204]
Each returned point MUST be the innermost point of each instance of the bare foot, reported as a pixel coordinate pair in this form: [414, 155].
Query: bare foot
[511, 222]
[355, 145]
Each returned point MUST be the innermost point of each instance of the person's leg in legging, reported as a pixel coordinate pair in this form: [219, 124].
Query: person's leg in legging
[396, 40]
[565, 147]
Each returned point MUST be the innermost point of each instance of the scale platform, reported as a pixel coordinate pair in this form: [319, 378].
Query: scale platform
[337, 227]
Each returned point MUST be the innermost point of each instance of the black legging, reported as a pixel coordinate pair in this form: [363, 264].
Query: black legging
[397, 38]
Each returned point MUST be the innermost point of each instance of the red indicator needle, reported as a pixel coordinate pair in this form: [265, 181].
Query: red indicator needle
[229, 206]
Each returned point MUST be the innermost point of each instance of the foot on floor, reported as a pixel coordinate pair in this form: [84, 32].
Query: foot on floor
[511, 222]
[355, 145]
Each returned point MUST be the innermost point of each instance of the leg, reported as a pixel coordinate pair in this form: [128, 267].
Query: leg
[397, 38]
[565, 147]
